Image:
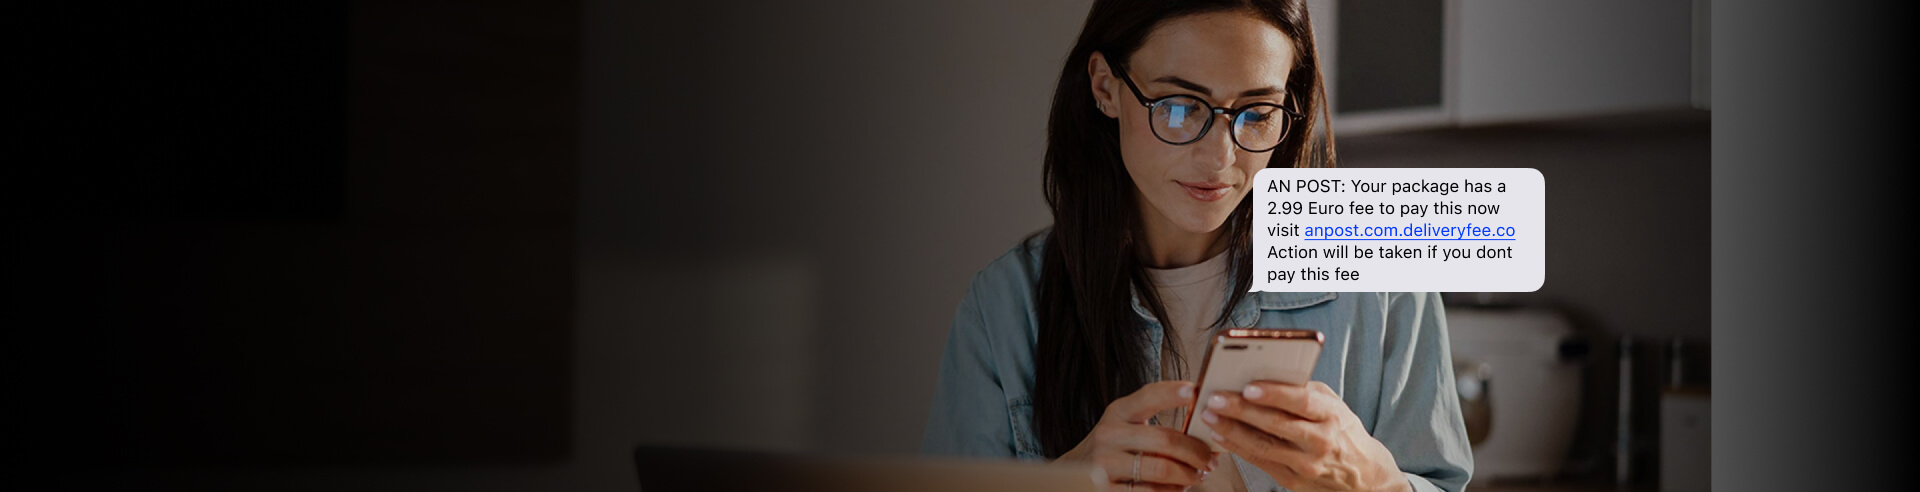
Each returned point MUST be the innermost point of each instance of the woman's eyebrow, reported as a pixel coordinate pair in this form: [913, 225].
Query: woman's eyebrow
[1190, 85]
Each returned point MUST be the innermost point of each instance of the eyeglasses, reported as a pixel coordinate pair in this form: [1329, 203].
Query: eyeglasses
[1181, 119]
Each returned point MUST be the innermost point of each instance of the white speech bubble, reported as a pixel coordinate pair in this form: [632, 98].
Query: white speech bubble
[1399, 230]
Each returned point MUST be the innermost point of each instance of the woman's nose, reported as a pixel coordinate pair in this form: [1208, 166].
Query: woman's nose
[1216, 149]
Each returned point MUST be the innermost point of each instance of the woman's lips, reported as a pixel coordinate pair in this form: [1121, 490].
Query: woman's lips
[1206, 192]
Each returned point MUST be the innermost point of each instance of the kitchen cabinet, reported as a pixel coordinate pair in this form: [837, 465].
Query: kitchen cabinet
[1433, 63]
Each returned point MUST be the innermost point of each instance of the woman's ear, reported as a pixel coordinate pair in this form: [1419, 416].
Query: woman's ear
[1103, 82]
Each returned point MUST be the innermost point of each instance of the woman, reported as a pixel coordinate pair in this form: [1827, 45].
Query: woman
[1081, 343]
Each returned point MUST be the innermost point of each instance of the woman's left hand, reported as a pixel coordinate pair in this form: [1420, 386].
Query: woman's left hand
[1304, 436]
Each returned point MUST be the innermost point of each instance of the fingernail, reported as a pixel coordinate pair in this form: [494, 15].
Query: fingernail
[1217, 402]
[1218, 437]
[1209, 417]
[1252, 391]
[1186, 391]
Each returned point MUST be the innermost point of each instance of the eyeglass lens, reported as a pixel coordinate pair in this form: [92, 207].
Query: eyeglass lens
[1182, 120]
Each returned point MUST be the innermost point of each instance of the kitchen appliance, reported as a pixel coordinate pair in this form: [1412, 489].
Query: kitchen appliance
[1518, 374]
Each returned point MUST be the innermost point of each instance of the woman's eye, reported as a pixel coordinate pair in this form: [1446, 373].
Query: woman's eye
[1255, 119]
[1178, 113]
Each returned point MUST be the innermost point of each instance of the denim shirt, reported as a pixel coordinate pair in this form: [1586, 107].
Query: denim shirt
[1386, 354]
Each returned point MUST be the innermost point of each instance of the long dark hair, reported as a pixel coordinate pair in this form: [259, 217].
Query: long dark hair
[1091, 345]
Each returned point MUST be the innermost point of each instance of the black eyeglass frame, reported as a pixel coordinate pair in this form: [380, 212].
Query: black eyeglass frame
[1292, 115]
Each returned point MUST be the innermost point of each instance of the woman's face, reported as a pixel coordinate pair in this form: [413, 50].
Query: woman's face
[1225, 59]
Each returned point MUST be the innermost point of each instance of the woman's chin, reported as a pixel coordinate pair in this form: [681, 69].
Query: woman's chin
[1192, 217]
[1205, 224]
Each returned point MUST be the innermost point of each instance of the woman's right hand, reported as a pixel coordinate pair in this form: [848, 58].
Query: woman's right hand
[1167, 459]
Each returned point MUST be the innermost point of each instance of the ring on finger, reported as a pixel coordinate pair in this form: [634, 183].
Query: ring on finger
[1136, 469]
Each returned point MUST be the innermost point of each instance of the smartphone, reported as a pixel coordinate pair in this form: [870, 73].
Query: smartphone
[1239, 356]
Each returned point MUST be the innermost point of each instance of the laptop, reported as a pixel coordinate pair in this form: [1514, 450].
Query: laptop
[677, 469]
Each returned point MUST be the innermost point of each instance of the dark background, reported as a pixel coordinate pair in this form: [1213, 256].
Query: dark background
[466, 245]
[261, 234]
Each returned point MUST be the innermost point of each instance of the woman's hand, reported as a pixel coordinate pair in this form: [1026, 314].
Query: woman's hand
[1304, 436]
[1123, 440]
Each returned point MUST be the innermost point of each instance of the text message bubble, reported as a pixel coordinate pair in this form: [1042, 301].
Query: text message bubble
[1400, 230]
